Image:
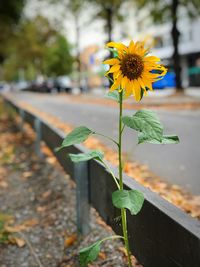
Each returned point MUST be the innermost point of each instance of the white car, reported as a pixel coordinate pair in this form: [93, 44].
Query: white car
[21, 85]
[63, 83]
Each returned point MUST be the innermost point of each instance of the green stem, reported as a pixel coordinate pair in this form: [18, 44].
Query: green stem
[109, 78]
[111, 237]
[123, 128]
[123, 210]
[107, 138]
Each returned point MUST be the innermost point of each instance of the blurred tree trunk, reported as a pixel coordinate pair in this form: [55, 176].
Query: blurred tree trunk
[109, 23]
[175, 38]
[109, 27]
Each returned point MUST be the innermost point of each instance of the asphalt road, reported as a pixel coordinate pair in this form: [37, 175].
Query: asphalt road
[177, 164]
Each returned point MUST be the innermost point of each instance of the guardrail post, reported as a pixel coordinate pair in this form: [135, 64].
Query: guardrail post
[37, 128]
[81, 174]
[22, 115]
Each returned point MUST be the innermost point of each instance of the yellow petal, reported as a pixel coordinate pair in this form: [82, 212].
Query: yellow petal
[114, 68]
[151, 58]
[117, 74]
[137, 90]
[129, 89]
[141, 83]
[111, 61]
[124, 82]
[148, 83]
[131, 47]
[119, 46]
[116, 84]
[139, 48]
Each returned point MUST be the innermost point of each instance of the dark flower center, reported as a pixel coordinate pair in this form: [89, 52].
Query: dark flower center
[132, 66]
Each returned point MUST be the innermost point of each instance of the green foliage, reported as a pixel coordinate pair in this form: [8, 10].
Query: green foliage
[147, 122]
[4, 234]
[77, 136]
[113, 52]
[11, 10]
[94, 154]
[149, 128]
[10, 14]
[114, 95]
[89, 254]
[37, 48]
[166, 139]
[129, 199]
[58, 60]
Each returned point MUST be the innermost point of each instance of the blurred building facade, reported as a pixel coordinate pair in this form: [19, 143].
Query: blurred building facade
[139, 26]
[189, 48]
[136, 25]
[189, 45]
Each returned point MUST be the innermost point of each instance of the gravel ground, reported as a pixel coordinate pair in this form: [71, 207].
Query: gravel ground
[37, 193]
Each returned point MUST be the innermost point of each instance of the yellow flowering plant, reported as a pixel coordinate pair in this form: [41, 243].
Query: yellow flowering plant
[132, 72]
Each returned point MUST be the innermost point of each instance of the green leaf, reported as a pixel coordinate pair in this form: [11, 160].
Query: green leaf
[141, 93]
[89, 254]
[114, 95]
[129, 199]
[147, 122]
[77, 136]
[4, 237]
[2, 223]
[94, 154]
[166, 139]
[114, 51]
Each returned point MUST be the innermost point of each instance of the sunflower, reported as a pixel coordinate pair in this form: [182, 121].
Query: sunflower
[133, 70]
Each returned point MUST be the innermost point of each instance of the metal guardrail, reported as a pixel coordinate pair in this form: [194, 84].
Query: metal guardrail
[161, 235]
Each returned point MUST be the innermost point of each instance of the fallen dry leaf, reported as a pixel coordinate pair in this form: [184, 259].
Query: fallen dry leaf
[16, 240]
[3, 184]
[41, 208]
[102, 255]
[21, 227]
[123, 250]
[27, 174]
[30, 223]
[51, 160]
[69, 241]
[46, 194]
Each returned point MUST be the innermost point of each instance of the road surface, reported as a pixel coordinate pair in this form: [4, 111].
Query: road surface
[176, 164]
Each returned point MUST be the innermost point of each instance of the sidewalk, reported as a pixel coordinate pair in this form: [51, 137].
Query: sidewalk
[157, 99]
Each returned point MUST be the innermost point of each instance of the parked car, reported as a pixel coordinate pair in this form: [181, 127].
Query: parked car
[63, 84]
[4, 86]
[49, 86]
[37, 84]
[21, 85]
[168, 81]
